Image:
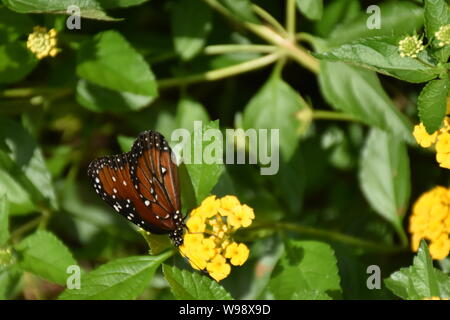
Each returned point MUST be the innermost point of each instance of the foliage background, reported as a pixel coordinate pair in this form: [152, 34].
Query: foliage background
[349, 171]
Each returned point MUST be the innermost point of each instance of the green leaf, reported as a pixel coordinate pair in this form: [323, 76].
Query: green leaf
[381, 55]
[432, 104]
[203, 175]
[241, 9]
[121, 279]
[397, 18]
[334, 13]
[436, 15]
[9, 280]
[16, 62]
[384, 176]
[359, 93]
[312, 9]
[110, 61]
[158, 243]
[91, 217]
[191, 24]
[13, 25]
[120, 3]
[442, 54]
[186, 285]
[188, 111]
[274, 107]
[421, 280]
[4, 219]
[100, 99]
[89, 9]
[24, 175]
[306, 270]
[43, 254]
[19, 199]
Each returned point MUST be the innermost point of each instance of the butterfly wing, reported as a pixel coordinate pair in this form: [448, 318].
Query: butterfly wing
[127, 187]
[156, 174]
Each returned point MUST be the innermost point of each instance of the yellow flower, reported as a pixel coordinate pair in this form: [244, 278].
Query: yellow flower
[443, 159]
[209, 243]
[193, 240]
[43, 43]
[238, 253]
[195, 259]
[410, 46]
[242, 217]
[228, 204]
[440, 248]
[209, 207]
[422, 137]
[435, 298]
[441, 137]
[196, 224]
[430, 220]
[443, 149]
[218, 269]
[443, 144]
[443, 35]
[208, 249]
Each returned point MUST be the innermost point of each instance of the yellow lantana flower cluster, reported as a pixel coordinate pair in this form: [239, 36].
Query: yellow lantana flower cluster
[43, 43]
[430, 220]
[208, 243]
[442, 139]
[410, 46]
[443, 35]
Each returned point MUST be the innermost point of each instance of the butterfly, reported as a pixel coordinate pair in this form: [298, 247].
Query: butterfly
[142, 185]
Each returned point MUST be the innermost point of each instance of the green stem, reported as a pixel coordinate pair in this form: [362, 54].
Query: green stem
[295, 52]
[46, 214]
[306, 37]
[270, 19]
[401, 234]
[29, 92]
[332, 115]
[290, 19]
[332, 235]
[214, 75]
[30, 225]
[233, 48]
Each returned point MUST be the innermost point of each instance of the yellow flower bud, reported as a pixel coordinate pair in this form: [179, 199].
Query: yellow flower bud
[43, 43]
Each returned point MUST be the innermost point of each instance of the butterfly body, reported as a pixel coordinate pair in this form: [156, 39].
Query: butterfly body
[142, 185]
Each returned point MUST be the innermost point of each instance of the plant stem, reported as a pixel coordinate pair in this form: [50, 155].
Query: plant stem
[25, 228]
[28, 92]
[332, 235]
[221, 73]
[306, 37]
[294, 51]
[290, 19]
[233, 48]
[333, 115]
[270, 19]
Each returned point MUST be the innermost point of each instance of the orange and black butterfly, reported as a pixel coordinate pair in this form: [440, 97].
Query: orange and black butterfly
[142, 185]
